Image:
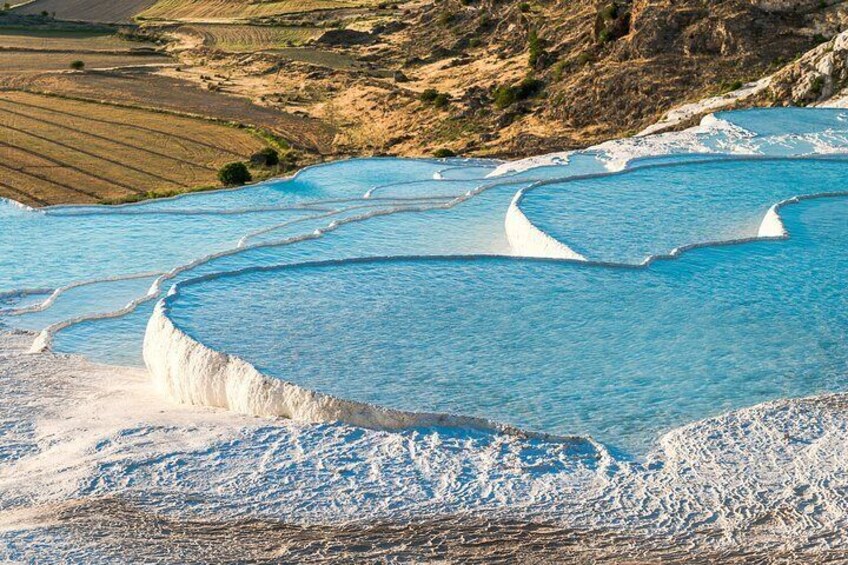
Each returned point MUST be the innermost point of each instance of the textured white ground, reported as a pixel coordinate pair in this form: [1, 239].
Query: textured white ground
[773, 477]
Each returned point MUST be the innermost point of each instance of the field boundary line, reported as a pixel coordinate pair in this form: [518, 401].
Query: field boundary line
[107, 139]
[311, 147]
[62, 164]
[94, 156]
[23, 171]
[20, 192]
[112, 122]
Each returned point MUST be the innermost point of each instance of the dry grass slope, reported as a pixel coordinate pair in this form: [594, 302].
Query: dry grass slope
[105, 11]
[55, 151]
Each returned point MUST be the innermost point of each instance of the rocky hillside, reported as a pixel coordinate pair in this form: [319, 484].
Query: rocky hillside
[519, 77]
[594, 70]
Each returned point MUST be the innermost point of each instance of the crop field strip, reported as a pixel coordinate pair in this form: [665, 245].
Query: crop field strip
[58, 154]
[105, 11]
[60, 41]
[233, 10]
[245, 38]
[32, 61]
[167, 126]
[160, 93]
[166, 136]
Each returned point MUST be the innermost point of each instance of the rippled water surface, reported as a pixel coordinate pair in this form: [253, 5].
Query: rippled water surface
[616, 353]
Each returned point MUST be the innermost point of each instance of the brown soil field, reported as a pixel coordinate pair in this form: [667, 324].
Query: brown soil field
[233, 10]
[36, 61]
[247, 39]
[105, 11]
[155, 91]
[55, 151]
[49, 40]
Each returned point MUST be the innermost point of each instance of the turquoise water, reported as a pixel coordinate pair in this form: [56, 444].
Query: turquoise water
[427, 323]
[621, 354]
[627, 218]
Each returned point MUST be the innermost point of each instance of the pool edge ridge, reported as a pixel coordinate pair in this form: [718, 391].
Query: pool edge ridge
[189, 372]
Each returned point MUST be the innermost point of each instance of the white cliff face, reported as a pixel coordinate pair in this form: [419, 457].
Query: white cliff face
[772, 226]
[526, 240]
[188, 372]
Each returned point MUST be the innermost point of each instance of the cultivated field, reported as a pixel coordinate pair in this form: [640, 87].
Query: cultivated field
[318, 57]
[232, 10]
[101, 11]
[245, 39]
[54, 151]
[60, 40]
[34, 61]
[156, 91]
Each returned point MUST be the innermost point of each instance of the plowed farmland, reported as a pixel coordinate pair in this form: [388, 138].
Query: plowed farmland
[247, 39]
[234, 10]
[107, 11]
[55, 151]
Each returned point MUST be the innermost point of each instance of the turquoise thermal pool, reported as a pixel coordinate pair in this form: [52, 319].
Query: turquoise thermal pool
[408, 284]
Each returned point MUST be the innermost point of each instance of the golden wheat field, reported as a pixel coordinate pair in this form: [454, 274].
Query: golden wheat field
[54, 150]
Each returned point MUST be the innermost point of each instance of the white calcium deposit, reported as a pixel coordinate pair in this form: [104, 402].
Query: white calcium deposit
[770, 476]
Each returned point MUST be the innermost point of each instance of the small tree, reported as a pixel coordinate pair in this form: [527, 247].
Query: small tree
[443, 153]
[267, 157]
[77, 65]
[234, 174]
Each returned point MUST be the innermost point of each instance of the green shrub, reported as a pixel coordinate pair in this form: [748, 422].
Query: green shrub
[267, 157]
[442, 100]
[609, 12]
[505, 96]
[583, 58]
[731, 86]
[438, 99]
[446, 18]
[429, 95]
[817, 86]
[528, 88]
[234, 174]
[77, 65]
[443, 153]
[536, 48]
[524, 7]
[289, 160]
[819, 38]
